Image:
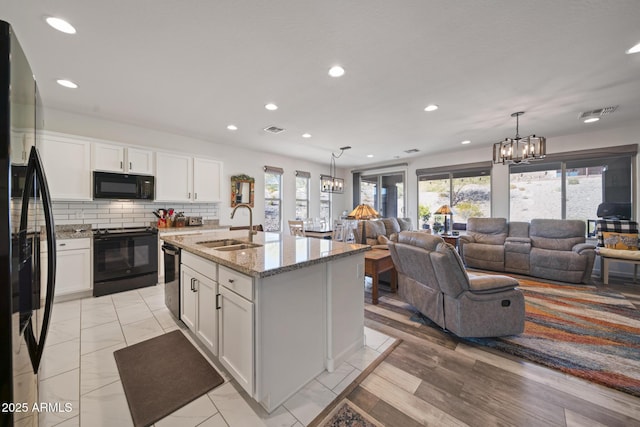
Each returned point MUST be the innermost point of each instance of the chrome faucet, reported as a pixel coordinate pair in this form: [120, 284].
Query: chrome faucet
[251, 230]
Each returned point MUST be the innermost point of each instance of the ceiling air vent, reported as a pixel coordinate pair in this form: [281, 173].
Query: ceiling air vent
[273, 129]
[411, 151]
[598, 112]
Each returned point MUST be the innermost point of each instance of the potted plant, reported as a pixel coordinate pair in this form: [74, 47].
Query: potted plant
[425, 214]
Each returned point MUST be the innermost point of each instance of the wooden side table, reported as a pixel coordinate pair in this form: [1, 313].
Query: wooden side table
[378, 261]
[452, 240]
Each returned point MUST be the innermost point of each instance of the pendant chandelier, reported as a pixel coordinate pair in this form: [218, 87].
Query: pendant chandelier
[331, 183]
[519, 150]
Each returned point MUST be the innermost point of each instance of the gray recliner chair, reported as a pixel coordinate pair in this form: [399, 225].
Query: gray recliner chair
[432, 278]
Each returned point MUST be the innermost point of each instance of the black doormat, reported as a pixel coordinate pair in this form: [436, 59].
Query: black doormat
[161, 375]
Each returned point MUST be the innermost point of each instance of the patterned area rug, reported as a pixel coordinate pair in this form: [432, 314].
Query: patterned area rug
[579, 330]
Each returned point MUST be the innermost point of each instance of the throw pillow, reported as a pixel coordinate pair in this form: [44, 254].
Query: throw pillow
[383, 240]
[390, 226]
[625, 241]
[405, 224]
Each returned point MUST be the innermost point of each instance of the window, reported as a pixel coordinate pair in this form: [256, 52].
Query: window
[302, 194]
[465, 188]
[272, 198]
[325, 206]
[383, 192]
[569, 187]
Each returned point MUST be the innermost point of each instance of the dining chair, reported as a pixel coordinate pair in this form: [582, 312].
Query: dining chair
[296, 228]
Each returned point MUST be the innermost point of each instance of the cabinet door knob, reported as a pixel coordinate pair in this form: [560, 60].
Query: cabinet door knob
[193, 289]
[189, 195]
[121, 165]
[195, 195]
[63, 244]
[231, 280]
[218, 302]
[130, 165]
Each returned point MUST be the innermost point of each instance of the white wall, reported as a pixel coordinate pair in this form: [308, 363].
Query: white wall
[236, 161]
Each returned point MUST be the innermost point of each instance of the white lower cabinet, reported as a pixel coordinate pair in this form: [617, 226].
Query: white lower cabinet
[216, 306]
[198, 300]
[73, 266]
[236, 337]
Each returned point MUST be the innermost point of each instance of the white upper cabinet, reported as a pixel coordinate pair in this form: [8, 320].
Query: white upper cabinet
[207, 178]
[67, 164]
[182, 178]
[21, 143]
[139, 161]
[174, 177]
[117, 158]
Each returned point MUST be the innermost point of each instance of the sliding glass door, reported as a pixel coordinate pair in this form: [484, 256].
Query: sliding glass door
[385, 193]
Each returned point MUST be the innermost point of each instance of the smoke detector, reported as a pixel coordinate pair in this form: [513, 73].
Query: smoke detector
[273, 129]
[597, 113]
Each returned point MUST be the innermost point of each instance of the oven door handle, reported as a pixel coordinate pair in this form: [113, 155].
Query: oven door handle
[121, 235]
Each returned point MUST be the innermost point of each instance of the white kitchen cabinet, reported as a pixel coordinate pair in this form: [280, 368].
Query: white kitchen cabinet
[188, 297]
[67, 164]
[181, 178]
[21, 143]
[139, 161]
[73, 266]
[236, 335]
[198, 303]
[121, 159]
[174, 177]
[207, 178]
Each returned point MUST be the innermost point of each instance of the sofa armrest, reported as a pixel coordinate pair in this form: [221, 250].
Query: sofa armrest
[580, 248]
[518, 240]
[466, 238]
[491, 284]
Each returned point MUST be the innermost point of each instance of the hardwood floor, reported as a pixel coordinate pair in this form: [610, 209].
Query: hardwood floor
[433, 378]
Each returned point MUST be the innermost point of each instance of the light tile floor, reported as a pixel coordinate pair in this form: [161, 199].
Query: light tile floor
[79, 368]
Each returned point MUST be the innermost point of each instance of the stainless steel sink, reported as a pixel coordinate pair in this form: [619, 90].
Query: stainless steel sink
[219, 243]
[228, 244]
[237, 247]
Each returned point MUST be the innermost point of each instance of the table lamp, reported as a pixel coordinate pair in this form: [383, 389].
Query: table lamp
[363, 212]
[446, 211]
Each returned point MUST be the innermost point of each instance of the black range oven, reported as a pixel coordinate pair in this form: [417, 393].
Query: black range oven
[124, 259]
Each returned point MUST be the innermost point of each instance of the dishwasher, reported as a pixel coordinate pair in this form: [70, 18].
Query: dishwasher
[172, 278]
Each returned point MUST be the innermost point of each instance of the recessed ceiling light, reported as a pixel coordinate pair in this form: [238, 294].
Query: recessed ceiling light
[336, 71]
[306, 135]
[271, 107]
[67, 83]
[369, 155]
[431, 107]
[465, 142]
[232, 127]
[61, 25]
[634, 49]
[592, 119]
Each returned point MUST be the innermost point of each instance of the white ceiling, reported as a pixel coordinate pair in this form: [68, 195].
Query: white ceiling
[192, 67]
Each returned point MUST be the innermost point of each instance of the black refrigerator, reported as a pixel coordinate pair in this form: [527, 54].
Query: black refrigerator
[26, 229]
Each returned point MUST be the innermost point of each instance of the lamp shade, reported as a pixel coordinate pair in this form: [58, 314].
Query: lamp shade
[364, 212]
[444, 210]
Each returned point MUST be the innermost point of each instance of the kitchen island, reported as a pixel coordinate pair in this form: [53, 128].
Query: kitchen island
[275, 312]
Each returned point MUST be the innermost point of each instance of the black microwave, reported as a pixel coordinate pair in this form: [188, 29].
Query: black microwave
[108, 185]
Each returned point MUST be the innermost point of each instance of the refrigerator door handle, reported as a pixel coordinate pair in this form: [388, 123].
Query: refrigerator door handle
[35, 169]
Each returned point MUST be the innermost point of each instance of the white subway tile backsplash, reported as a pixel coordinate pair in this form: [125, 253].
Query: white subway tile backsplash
[119, 213]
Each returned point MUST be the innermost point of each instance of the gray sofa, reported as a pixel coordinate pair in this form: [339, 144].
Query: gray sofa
[432, 278]
[547, 248]
[377, 232]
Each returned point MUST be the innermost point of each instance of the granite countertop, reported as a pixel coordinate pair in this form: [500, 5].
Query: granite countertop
[74, 231]
[278, 253]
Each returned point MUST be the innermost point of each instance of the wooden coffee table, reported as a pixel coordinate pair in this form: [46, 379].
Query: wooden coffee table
[378, 261]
